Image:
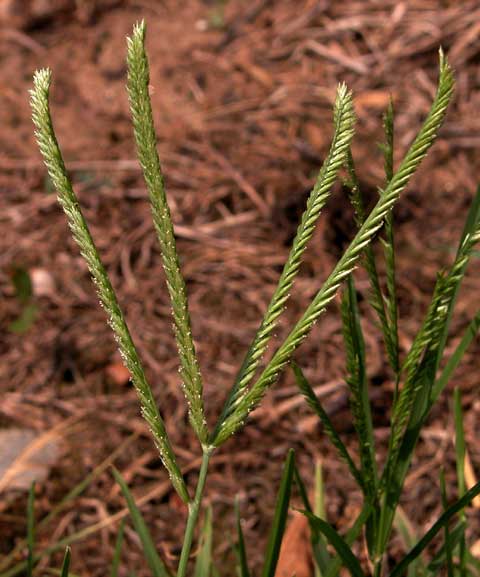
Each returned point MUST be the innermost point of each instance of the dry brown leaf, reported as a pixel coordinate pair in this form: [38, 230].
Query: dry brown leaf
[475, 549]
[295, 558]
[26, 456]
[23, 459]
[470, 478]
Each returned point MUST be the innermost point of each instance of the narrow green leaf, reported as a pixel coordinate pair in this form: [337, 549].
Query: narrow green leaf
[319, 494]
[144, 130]
[352, 534]
[420, 391]
[25, 320]
[152, 557]
[436, 527]
[358, 384]
[320, 554]
[409, 537]
[473, 565]
[399, 468]
[387, 147]
[376, 297]
[413, 366]
[53, 159]
[319, 546]
[389, 245]
[66, 563]
[468, 336]
[460, 465]
[405, 528]
[470, 229]
[315, 405]
[22, 284]
[459, 441]
[440, 556]
[448, 543]
[118, 550]
[430, 342]
[280, 518]
[240, 548]
[338, 543]
[203, 562]
[31, 529]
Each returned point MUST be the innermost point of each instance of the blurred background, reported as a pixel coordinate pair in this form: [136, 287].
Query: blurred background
[242, 95]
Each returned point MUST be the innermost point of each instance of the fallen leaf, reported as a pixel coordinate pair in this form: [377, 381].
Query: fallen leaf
[295, 557]
[26, 456]
[471, 479]
[475, 549]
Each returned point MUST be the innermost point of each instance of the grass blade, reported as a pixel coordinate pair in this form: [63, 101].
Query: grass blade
[429, 342]
[30, 529]
[459, 441]
[424, 340]
[473, 565]
[118, 550]
[344, 119]
[396, 475]
[280, 518]
[141, 110]
[471, 228]
[66, 563]
[339, 544]
[320, 549]
[440, 557]
[468, 336]
[203, 563]
[315, 405]
[376, 296]
[352, 534]
[420, 391]
[319, 495]
[347, 262]
[389, 245]
[52, 156]
[358, 385]
[460, 465]
[408, 535]
[448, 543]
[436, 527]
[153, 559]
[435, 327]
[320, 554]
[240, 548]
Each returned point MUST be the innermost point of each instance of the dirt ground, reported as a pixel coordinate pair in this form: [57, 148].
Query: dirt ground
[242, 94]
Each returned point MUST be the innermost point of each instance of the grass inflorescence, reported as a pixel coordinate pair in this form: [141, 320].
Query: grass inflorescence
[416, 373]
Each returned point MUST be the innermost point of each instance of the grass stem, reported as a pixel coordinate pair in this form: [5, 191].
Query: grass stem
[193, 511]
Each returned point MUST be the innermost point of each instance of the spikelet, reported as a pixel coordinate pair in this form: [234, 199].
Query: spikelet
[141, 110]
[344, 120]
[52, 156]
[348, 261]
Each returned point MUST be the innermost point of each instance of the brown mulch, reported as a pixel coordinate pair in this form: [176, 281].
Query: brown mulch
[242, 97]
